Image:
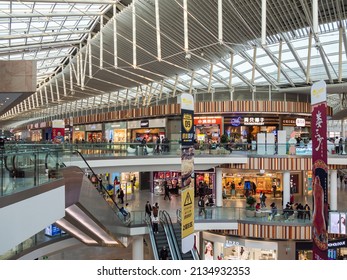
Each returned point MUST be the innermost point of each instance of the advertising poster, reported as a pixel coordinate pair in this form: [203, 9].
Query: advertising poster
[319, 171]
[58, 131]
[208, 250]
[337, 223]
[187, 171]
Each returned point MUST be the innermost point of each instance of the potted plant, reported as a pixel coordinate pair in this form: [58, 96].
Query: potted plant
[250, 208]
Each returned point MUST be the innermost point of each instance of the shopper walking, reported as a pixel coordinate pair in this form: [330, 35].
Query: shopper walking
[155, 209]
[166, 191]
[148, 209]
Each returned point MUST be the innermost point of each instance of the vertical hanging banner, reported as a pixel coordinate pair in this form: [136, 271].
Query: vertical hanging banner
[58, 131]
[187, 171]
[319, 171]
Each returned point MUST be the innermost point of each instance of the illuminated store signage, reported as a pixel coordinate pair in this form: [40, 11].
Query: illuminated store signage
[300, 122]
[144, 123]
[253, 121]
[235, 121]
[207, 120]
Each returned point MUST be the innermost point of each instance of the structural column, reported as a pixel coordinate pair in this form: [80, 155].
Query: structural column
[137, 248]
[333, 189]
[219, 188]
[286, 188]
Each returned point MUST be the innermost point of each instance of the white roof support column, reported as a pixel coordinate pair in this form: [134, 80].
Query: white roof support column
[117, 99]
[115, 47]
[108, 101]
[41, 97]
[263, 22]
[78, 67]
[340, 55]
[101, 65]
[161, 89]
[254, 63]
[57, 89]
[315, 16]
[64, 83]
[46, 95]
[279, 61]
[37, 99]
[185, 25]
[220, 21]
[90, 62]
[51, 89]
[126, 96]
[210, 78]
[191, 82]
[134, 35]
[231, 69]
[175, 86]
[157, 27]
[308, 67]
[71, 77]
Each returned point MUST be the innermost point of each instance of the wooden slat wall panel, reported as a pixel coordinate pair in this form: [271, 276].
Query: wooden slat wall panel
[203, 107]
[279, 232]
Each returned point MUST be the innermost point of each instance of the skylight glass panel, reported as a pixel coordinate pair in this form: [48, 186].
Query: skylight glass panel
[245, 66]
[19, 41]
[43, 7]
[237, 80]
[185, 78]
[224, 74]
[331, 48]
[37, 26]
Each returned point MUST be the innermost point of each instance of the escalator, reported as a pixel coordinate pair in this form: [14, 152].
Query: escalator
[163, 237]
[170, 236]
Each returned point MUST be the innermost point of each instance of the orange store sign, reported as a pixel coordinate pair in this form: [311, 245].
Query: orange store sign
[207, 120]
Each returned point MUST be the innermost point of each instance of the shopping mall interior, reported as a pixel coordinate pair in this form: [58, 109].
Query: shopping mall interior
[230, 114]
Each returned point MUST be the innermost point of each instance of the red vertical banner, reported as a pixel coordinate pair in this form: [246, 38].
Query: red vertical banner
[319, 171]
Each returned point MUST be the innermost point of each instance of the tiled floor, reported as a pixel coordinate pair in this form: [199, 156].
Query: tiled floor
[138, 203]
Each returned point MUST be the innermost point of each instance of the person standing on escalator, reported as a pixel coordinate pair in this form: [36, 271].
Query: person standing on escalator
[164, 254]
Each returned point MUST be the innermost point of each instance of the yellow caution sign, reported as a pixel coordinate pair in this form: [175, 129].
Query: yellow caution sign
[187, 214]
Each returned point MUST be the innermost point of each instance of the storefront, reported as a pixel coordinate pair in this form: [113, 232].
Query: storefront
[116, 132]
[36, 133]
[78, 133]
[264, 182]
[128, 181]
[173, 179]
[221, 247]
[150, 129]
[94, 132]
[205, 183]
[208, 129]
[242, 129]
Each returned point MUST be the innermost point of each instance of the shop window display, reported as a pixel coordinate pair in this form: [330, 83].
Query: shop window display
[173, 179]
[262, 183]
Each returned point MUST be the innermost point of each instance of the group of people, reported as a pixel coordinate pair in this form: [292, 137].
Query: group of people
[149, 210]
[203, 202]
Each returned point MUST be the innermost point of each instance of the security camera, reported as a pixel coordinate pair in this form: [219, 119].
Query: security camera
[188, 56]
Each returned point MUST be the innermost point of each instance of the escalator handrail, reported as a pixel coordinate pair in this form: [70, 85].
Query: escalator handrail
[152, 238]
[171, 245]
[126, 221]
[166, 219]
[102, 185]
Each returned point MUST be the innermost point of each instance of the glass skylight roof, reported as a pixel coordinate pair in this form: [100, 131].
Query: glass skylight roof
[35, 25]
[49, 32]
